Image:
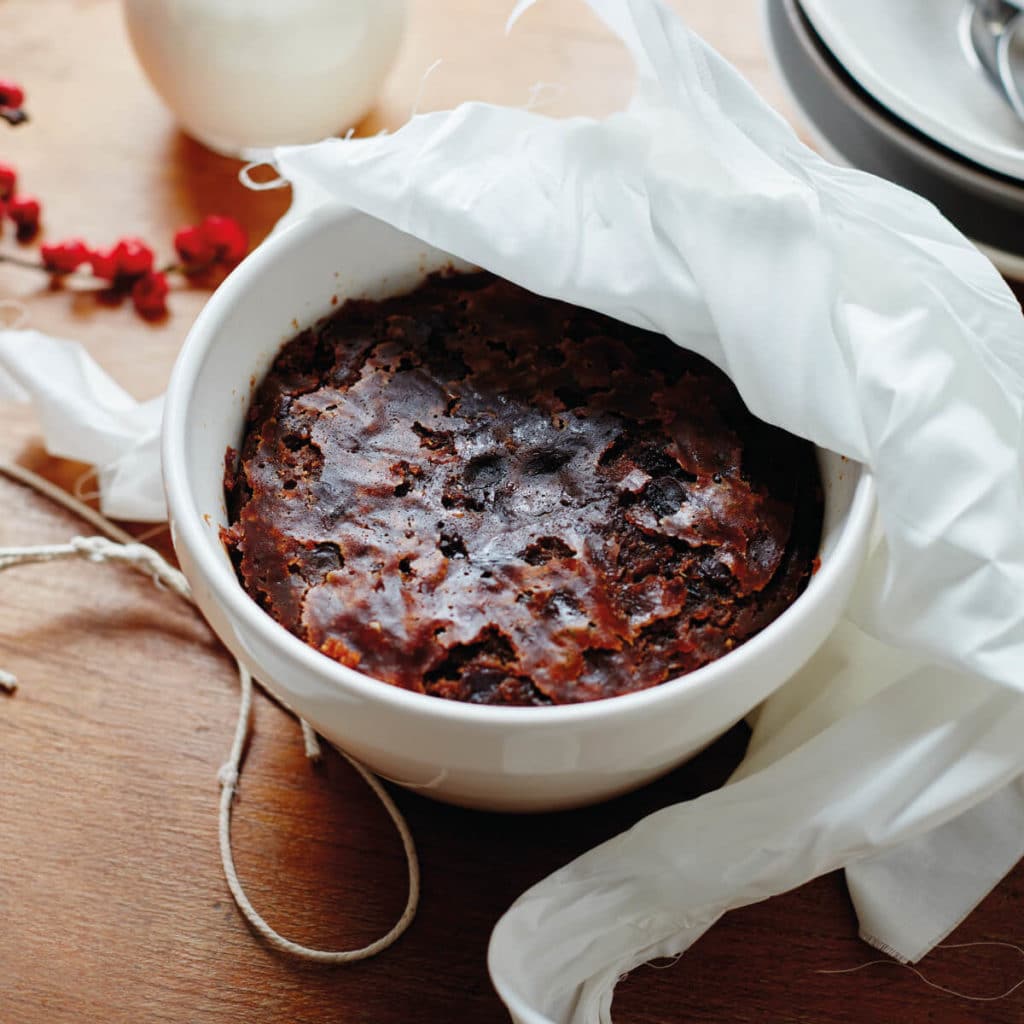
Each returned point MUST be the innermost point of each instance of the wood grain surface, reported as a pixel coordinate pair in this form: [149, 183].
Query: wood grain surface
[112, 904]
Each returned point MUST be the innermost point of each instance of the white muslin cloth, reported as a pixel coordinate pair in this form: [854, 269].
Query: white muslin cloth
[847, 311]
[910, 897]
[88, 417]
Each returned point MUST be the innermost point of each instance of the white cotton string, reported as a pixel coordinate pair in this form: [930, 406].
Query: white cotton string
[120, 547]
[61, 497]
[229, 775]
[415, 108]
[310, 742]
[78, 489]
[153, 531]
[140, 557]
[246, 178]
[942, 988]
[663, 963]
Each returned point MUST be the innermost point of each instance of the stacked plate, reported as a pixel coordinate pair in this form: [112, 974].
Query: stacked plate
[895, 89]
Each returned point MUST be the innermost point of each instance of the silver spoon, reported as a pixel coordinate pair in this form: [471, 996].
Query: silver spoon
[983, 24]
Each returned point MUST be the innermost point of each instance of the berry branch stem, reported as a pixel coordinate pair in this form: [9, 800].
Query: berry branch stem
[27, 264]
[20, 261]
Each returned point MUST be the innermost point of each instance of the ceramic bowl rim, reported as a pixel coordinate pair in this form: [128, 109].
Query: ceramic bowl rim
[239, 607]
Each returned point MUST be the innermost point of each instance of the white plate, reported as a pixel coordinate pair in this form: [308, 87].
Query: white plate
[909, 55]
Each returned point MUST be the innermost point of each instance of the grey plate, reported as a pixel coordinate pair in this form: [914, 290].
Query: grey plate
[986, 206]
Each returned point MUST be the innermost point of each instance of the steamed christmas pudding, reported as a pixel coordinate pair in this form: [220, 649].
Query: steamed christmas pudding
[480, 494]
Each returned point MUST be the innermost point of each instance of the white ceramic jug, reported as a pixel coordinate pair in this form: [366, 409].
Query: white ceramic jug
[243, 74]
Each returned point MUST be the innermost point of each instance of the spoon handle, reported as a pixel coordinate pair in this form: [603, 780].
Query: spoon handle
[1009, 65]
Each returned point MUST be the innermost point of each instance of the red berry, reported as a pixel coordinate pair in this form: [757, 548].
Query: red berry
[134, 258]
[227, 237]
[149, 295]
[104, 263]
[129, 259]
[25, 212]
[8, 181]
[64, 257]
[195, 250]
[12, 95]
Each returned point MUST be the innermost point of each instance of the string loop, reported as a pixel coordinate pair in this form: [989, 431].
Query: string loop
[246, 178]
[942, 988]
[116, 546]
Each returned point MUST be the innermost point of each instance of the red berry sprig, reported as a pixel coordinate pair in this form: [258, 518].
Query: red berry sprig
[12, 102]
[127, 267]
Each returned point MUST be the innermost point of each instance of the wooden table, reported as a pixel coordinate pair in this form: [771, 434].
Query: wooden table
[112, 903]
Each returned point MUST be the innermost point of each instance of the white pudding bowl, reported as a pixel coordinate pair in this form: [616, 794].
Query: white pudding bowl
[497, 758]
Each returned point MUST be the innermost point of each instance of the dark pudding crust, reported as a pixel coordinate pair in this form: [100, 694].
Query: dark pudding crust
[477, 493]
